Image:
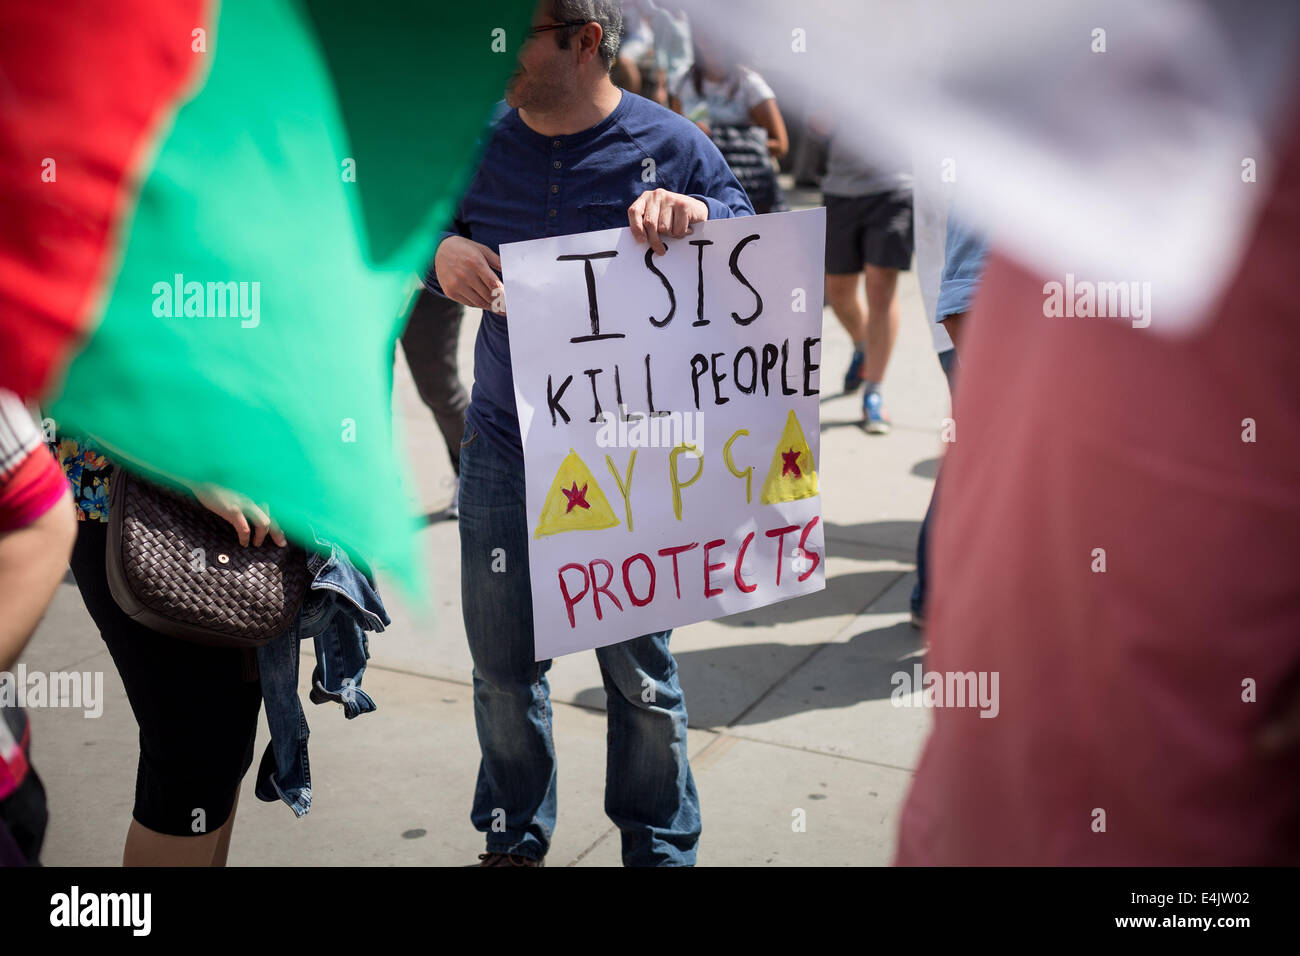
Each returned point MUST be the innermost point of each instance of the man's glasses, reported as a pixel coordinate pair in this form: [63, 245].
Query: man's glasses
[557, 26]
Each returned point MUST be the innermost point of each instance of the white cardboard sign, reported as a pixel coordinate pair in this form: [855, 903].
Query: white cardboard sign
[669, 413]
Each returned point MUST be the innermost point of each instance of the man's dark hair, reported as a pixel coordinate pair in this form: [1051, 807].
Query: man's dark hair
[608, 13]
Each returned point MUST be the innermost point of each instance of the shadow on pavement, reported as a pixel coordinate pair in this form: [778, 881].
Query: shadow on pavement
[926, 468]
[724, 688]
[867, 534]
[765, 680]
[843, 594]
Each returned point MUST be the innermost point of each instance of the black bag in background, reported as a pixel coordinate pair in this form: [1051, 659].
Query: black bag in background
[745, 150]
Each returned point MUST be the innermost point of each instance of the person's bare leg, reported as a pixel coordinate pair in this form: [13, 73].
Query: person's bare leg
[222, 851]
[145, 847]
[883, 316]
[842, 296]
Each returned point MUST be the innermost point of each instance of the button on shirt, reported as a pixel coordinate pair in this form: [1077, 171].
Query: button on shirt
[529, 186]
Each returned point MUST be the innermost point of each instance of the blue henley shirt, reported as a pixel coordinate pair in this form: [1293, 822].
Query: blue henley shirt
[529, 186]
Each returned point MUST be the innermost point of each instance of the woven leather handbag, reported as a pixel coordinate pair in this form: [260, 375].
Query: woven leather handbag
[177, 568]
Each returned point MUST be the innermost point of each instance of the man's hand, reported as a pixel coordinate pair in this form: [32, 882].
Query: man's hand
[659, 212]
[464, 270]
[239, 511]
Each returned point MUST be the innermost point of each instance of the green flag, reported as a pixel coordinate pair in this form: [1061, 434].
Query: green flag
[263, 270]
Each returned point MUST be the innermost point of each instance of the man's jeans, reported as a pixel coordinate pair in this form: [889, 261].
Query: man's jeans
[649, 790]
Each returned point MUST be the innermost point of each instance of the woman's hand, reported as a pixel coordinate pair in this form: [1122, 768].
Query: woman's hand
[240, 512]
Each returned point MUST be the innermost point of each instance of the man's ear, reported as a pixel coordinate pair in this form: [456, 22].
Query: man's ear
[594, 33]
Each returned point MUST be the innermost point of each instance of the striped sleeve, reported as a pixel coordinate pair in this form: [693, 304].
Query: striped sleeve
[19, 434]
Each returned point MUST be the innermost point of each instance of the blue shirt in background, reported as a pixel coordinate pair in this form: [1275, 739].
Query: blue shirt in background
[530, 186]
[963, 266]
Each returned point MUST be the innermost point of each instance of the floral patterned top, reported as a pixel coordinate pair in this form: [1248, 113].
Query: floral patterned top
[88, 473]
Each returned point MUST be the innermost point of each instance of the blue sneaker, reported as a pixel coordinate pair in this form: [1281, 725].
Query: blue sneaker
[853, 377]
[874, 418]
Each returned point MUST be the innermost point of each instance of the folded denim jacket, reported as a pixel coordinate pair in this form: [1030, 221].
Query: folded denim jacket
[340, 607]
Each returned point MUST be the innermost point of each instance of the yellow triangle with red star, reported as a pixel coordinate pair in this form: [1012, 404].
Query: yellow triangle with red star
[575, 502]
[793, 474]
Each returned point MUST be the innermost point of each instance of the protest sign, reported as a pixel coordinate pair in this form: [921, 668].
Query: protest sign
[669, 413]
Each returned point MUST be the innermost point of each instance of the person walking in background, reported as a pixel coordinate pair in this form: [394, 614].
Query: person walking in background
[635, 58]
[674, 50]
[429, 342]
[1136, 591]
[965, 252]
[738, 110]
[196, 706]
[929, 223]
[868, 241]
[655, 50]
[965, 255]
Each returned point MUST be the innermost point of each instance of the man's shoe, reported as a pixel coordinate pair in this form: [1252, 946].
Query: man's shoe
[507, 859]
[918, 621]
[853, 377]
[874, 418]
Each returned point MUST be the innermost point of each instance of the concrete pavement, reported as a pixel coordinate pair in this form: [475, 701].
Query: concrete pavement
[790, 704]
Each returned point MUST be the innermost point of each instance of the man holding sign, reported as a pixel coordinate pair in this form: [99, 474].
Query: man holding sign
[574, 154]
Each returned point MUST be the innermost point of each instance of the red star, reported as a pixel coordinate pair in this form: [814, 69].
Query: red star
[790, 463]
[576, 498]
